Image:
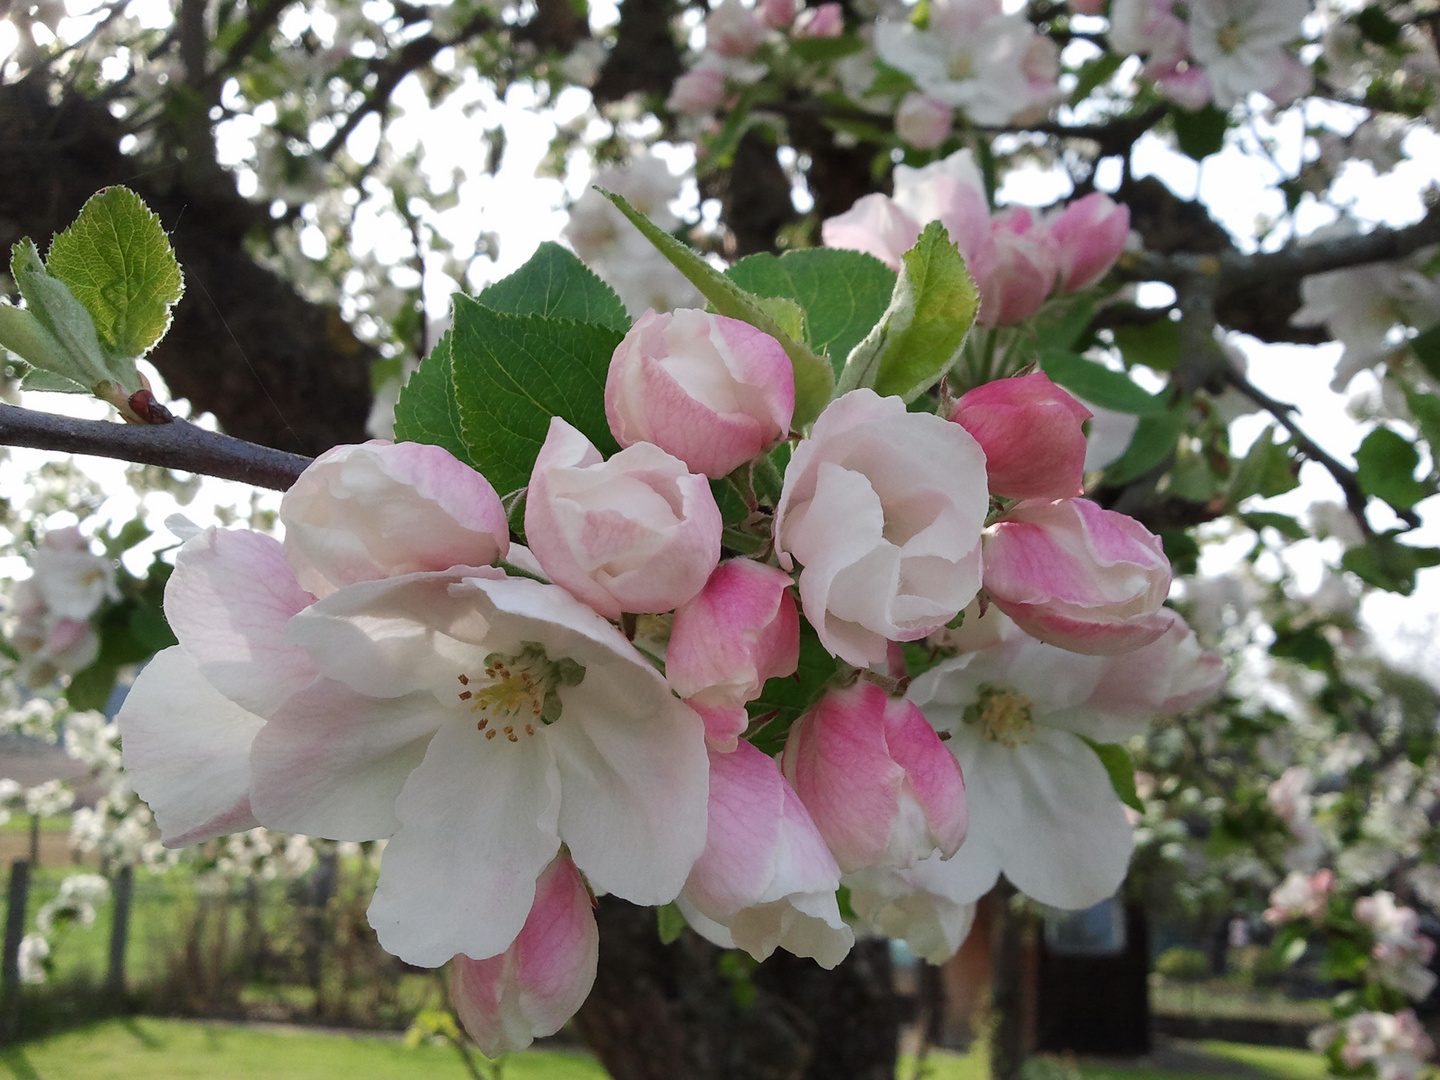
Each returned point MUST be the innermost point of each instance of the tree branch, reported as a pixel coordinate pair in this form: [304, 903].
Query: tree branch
[177, 445]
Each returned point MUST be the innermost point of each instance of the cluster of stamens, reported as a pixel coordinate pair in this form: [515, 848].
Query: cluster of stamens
[1002, 715]
[518, 691]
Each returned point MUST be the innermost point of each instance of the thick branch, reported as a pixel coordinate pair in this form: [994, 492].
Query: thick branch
[177, 445]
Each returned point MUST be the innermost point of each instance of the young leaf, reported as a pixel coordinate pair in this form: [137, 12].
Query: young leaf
[1200, 133]
[843, 293]
[924, 327]
[669, 922]
[426, 411]
[1156, 344]
[1385, 468]
[813, 378]
[117, 261]
[1121, 770]
[1099, 385]
[556, 283]
[55, 332]
[512, 373]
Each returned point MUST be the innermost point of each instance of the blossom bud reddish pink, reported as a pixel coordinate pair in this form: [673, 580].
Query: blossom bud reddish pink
[542, 979]
[1078, 576]
[778, 14]
[880, 785]
[1014, 268]
[741, 630]
[638, 533]
[733, 29]
[713, 391]
[1030, 430]
[381, 509]
[923, 122]
[1089, 235]
[700, 90]
[825, 21]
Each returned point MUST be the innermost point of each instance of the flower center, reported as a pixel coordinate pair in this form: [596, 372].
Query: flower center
[961, 66]
[1002, 715]
[517, 691]
[1230, 37]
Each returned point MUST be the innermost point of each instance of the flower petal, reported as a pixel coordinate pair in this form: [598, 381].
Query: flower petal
[477, 828]
[187, 749]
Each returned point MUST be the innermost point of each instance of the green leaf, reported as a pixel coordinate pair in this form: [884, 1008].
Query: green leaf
[1092, 73]
[923, 328]
[1426, 347]
[512, 373]
[817, 49]
[1099, 385]
[1156, 344]
[1065, 320]
[669, 922]
[426, 411]
[1154, 440]
[788, 315]
[1385, 468]
[556, 283]
[1285, 525]
[813, 377]
[1377, 26]
[1388, 564]
[1200, 133]
[40, 379]
[1267, 469]
[117, 261]
[1426, 410]
[843, 293]
[1120, 769]
[55, 327]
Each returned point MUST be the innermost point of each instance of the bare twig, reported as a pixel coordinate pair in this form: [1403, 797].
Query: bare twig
[1355, 499]
[177, 445]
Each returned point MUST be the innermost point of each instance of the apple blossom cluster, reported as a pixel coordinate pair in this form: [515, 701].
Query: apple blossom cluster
[1017, 260]
[50, 610]
[1394, 1045]
[400, 668]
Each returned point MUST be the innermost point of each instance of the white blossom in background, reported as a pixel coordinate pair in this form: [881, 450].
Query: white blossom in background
[34, 950]
[616, 250]
[1242, 44]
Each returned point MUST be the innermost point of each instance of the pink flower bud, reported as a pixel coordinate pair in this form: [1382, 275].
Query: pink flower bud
[778, 14]
[1078, 576]
[1030, 431]
[740, 631]
[1014, 268]
[875, 225]
[381, 509]
[923, 122]
[713, 391]
[1089, 235]
[825, 21]
[700, 90]
[542, 979]
[1188, 88]
[765, 879]
[639, 532]
[882, 506]
[733, 29]
[878, 782]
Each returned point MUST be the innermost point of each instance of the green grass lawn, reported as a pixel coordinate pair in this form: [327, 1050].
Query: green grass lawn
[145, 1048]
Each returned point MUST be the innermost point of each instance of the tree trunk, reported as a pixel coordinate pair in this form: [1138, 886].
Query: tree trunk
[1009, 1037]
[123, 889]
[692, 1010]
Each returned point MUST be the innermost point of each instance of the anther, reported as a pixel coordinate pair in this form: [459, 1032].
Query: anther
[489, 734]
[466, 695]
[512, 737]
[464, 680]
[482, 725]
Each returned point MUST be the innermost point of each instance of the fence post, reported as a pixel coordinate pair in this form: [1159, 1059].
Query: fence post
[123, 889]
[10, 962]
